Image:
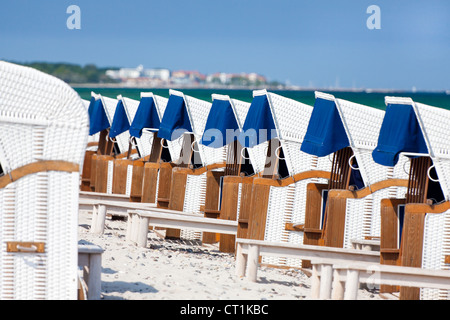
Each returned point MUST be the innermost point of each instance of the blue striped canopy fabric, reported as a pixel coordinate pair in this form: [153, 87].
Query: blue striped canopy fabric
[221, 126]
[259, 125]
[146, 117]
[325, 133]
[98, 120]
[400, 132]
[175, 121]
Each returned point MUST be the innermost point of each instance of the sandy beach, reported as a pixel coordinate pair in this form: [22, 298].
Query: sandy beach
[185, 270]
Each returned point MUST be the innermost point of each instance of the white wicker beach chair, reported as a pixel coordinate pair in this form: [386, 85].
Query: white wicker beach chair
[148, 137]
[210, 158]
[145, 141]
[40, 183]
[406, 235]
[286, 199]
[434, 123]
[362, 125]
[195, 187]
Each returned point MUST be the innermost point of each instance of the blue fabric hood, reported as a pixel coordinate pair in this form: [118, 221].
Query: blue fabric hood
[98, 120]
[120, 121]
[400, 132]
[259, 125]
[325, 133]
[175, 120]
[146, 117]
[220, 119]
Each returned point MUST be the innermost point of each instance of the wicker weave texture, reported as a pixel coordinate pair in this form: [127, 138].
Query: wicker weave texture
[194, 198]
[48, 120]
[436, 246]
[435, 127]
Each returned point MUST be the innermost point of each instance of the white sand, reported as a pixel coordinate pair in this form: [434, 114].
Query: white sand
[184, 270]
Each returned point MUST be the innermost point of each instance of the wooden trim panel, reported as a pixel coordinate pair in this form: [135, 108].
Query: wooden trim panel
[334, 193]
[290, 180]
[35, 167]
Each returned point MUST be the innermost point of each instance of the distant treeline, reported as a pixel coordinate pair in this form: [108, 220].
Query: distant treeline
[73, 73]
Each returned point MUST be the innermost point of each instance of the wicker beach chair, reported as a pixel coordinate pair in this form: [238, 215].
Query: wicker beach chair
[194, 182]
[181, 128]
[120, 165]
[223, 126]
[415, 230]
[40, 184]
[145, 124]
[276, 211]
[353, 215]
[101, 112]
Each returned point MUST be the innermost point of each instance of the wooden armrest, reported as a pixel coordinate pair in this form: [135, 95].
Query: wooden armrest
[243, 221]
[294, 227]
[312, 230]
[359, 194]
[92, 144]
[426, 208]
[388, 250]
[291, 180]
[211, 213]
[125, 154]
[201, 170]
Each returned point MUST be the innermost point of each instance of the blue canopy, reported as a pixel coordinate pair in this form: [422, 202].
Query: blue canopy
[220, 119]
[98, 120]
[259, 125]
[400, 132]
[175, 120]
[91, 107]
[120, 121]
[325, 133]
[146, 117]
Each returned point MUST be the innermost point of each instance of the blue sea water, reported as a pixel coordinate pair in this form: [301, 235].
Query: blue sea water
[372, 99]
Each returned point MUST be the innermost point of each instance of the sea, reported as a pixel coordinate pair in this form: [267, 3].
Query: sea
[370, 98]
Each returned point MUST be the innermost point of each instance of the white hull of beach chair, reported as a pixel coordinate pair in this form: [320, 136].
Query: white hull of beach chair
[147, 136]
[109, 106]
[142, 146]
[122, 143]
[195, 190]
[436, 234]
[354, 216]
[362, 125]
[286, 204]
[39, 194]
[122, 140]
[213, 159]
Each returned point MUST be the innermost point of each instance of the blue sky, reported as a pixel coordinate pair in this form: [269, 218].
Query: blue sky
[319, 43]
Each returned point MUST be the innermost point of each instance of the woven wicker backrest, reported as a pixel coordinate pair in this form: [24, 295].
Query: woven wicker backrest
[42, 122]
[29, 104]
[131, 106]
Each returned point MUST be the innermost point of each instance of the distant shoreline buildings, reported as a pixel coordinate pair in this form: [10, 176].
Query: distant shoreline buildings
[161, 77]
